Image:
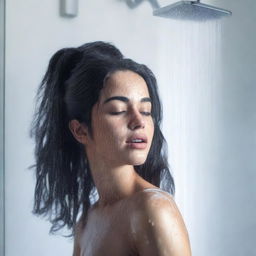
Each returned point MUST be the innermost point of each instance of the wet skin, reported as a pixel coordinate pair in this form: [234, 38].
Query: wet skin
[146, 223]
[126, 220]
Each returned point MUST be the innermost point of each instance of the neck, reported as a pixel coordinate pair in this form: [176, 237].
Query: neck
[115, 183]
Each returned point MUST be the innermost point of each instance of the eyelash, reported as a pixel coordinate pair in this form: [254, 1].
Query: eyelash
[118, 113]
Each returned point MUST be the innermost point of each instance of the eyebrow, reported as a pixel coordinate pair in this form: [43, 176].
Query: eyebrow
[124, 99]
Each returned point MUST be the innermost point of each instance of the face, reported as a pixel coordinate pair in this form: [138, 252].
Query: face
[116, 120]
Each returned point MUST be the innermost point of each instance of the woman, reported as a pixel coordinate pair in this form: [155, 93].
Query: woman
[97, 126]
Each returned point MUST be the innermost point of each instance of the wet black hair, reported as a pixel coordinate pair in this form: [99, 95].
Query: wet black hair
[70, 88]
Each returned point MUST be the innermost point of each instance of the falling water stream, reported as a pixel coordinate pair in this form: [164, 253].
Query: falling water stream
[190, 59]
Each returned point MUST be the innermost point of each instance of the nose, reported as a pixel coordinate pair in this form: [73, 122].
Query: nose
[137, 120]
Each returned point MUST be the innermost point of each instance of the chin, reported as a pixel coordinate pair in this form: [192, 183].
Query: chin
[138, 161]
[137, 157]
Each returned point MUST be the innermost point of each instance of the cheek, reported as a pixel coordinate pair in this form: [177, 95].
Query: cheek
[110, 126]
[151, 127]
[109, 131]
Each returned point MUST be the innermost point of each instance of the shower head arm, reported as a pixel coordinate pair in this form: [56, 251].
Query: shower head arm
[134, 3]
[154, 3]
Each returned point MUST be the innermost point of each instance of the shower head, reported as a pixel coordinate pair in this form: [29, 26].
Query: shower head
[191, 10]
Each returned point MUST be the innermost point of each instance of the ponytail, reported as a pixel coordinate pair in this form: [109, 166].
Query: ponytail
[59, 157]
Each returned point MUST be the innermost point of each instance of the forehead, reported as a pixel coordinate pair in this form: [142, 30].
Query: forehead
[125, 83]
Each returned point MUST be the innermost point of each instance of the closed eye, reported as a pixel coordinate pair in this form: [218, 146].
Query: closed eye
[118, 113]
[146, 113]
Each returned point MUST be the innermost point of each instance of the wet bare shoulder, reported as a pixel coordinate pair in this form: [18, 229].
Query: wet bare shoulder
[150, 196]
[157, 225]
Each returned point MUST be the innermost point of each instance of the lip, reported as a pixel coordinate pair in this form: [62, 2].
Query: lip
[138, 137]
[134, 145]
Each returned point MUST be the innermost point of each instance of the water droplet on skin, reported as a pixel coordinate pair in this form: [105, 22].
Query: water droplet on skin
[151, 222]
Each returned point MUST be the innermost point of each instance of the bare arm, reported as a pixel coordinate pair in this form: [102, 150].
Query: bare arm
[158, 228]
[76, 248]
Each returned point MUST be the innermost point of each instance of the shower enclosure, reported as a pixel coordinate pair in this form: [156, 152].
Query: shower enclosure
[219, 205]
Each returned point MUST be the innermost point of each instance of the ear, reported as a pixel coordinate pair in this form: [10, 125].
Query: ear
[79, 131]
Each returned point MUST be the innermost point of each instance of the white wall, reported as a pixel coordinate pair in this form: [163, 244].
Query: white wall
[235, 228]
[223, 225]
